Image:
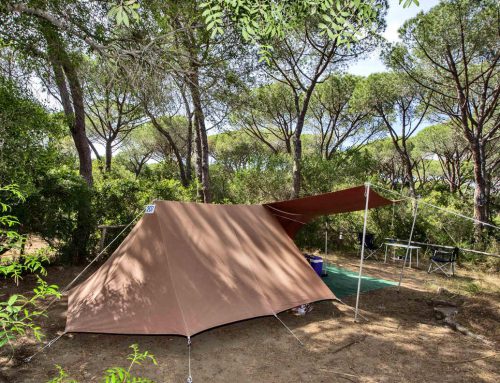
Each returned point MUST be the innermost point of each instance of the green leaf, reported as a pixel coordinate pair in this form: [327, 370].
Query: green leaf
[12, 300]
[327, 18]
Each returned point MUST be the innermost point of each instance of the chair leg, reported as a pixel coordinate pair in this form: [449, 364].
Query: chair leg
[447, 269]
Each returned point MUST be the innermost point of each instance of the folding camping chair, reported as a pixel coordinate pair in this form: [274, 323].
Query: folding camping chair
[443, 261]
[370, 247]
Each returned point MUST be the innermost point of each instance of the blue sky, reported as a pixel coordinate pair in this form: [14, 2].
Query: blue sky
[396, 16]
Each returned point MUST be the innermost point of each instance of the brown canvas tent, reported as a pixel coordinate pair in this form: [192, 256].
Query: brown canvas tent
[188, 267]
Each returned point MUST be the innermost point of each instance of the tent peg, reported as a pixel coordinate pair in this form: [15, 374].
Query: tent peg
[189, 378]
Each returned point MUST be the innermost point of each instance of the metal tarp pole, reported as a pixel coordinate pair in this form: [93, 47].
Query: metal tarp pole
[326, 238]
[367, 195]
[409, 244]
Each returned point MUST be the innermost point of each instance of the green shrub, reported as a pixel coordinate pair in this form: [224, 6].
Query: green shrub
[116, 374]
[19, 312]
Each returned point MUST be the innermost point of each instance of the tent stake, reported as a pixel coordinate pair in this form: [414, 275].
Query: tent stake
[367, 195]
[409, 244]
[189, 379]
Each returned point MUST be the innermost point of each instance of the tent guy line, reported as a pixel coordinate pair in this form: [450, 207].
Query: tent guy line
[435, 207]
[417, 201]
[415, 211]
[445, 247]
[65, 289]
[365, 218]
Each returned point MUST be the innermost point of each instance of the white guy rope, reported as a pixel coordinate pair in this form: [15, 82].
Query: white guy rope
[446, 247]
[282, 211]
[290, 219]
[409, 244]
[66, 288]
[367, 196]
[49, 343]
[291, 332]
[100, 253]
[439, 208]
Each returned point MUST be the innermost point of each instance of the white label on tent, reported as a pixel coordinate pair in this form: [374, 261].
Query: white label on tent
[150, 209]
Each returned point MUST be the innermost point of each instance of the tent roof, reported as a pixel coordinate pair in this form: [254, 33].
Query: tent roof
[189, 267]
[294, 213]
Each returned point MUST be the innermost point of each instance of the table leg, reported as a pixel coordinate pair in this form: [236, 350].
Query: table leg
[411, 251]
[385, 254]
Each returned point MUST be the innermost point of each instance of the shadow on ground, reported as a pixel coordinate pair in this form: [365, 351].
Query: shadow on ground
[400, 341]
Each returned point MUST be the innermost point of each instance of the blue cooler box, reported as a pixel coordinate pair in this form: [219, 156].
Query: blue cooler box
[317, 264]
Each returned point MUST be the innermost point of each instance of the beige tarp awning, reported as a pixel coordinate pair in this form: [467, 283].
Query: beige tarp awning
[189, 267]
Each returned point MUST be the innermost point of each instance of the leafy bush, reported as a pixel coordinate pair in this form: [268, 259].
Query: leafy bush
[9, 238]
[265, 178]
[116, 374]
[19, 312]
[54, 210]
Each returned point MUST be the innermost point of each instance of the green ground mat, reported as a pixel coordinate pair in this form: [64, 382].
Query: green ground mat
[344, 282]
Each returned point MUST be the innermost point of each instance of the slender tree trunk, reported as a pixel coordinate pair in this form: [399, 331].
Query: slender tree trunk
[189, 146]
[109, 156]
[454, 178]
[198, 159]
[191, 44]
[79, 131]
[173, 146]
[138, 169]
[194, 87]
[297, 158]
[65, 76]
[480, 187]
[409, 174]
[189, 149]
[75, 123]
[297, 144]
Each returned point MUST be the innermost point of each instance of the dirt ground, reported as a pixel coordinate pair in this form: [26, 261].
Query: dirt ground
[399, 339]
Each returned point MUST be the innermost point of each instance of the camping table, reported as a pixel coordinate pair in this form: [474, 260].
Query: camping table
[400, 246]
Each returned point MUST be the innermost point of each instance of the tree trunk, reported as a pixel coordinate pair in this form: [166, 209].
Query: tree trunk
[173, 146]
[198, 159]
[194, 87]
[480, 192]
[454, 178]
[297, 156]
[409, 173]
[189, 149]
[109, 156]
[297, 143]
[190, 117]
[72, 100]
